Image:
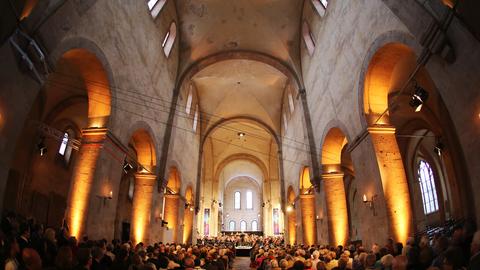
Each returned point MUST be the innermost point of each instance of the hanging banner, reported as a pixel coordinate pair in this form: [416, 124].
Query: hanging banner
[276, 221]
[206, 222]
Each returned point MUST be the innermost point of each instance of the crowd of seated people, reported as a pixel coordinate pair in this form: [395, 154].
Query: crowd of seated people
[27, 245]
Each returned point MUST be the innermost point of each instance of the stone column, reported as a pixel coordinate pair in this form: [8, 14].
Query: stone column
[188, 225]
[292, 233]
[336, 208]
[142, 206]
[93, 140]
[171, 215]
[309, 226]
[394, 181]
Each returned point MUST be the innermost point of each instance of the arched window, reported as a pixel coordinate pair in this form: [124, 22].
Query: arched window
[231, 226]
[188, 107]
[427, 187]
[195, 119]
[254, 226]
[65, 148]
[169, 39]
[155, 6]
[308, 38]
[243, 225]
[236, 200]
[291, 103]
[249, 200]
[320, 6]
[285, 121]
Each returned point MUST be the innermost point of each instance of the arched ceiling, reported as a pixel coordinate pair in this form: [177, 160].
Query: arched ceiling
[257, 142]
[241, 168]
[266, 26]
[241, 87]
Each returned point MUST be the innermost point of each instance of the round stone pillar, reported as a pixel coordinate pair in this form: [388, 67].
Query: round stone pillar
[141, 206]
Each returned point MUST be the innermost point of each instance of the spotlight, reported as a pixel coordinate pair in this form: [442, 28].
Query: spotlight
[438, 149]
[289, 208]
[127, 166]
[241, 134]
[41, 147]
[419, 98]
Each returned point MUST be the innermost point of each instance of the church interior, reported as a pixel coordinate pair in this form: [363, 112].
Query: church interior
[182, 134]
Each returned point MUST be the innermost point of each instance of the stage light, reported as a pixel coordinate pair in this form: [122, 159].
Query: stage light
[42, 148]
[127, 166]
[419, 98]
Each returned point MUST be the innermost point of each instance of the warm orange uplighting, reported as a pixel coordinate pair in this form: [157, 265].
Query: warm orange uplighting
[336, 208]
[309, 226]
[142, 205]
[394, 181]
[83, 176]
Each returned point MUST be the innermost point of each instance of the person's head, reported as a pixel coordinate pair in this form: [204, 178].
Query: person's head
[453, 259]
[387, 260]
[370, 260]
[24, 230]
[84, 257]
[475, 246]
[188, 263]
[31, 259]
[97, 253]
[400, 263]
[298, 265]
[321, 266]
[342, 263]
[64, 259]
[50, 235]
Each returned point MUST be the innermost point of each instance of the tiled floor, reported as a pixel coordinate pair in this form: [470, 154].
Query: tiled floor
[241, 263]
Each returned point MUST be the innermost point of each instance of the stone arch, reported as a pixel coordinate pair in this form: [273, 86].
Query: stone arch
[390, 37]
[92, 67]
[333, 179]
[143, 139]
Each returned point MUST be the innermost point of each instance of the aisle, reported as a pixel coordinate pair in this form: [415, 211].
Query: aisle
[241, 263]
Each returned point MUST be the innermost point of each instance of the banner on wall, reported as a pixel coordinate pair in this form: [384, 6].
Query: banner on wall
[206, 222]
[276, 221]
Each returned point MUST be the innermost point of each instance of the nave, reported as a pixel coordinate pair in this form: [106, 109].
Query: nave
[143, 134]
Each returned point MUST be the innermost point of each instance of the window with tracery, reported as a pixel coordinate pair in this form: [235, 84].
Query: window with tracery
[427, 187]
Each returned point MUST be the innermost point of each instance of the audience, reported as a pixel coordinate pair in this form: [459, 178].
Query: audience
[26, 245]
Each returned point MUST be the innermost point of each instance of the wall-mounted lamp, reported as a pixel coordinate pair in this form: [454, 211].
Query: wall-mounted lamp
[106, 197]
[419, 98]
[41, 147]
[370, 203]
[290, 207]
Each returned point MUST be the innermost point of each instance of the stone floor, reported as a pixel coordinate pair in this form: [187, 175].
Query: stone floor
[241, 263]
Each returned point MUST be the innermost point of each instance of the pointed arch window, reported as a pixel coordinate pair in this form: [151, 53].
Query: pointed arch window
[169, 39]
[427, 187]
[155, 6]
[236, 200]
[243, 225]
[231, 226]
[254, 226]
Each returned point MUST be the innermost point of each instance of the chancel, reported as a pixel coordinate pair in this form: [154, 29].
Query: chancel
[240, 134]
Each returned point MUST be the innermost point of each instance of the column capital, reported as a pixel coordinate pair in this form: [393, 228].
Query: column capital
[145, 178]
[333, 175]
[306, 196]
[381, 129]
